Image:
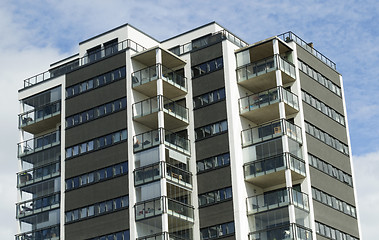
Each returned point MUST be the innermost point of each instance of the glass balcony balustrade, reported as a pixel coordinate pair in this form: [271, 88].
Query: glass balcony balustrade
[155, 137]
[50, 233]
[92, 57]
[159, 103]
[264, 66]
[37, 205]
[178, 175]
[39, 114]
[39, 143]
[152, 73]
[287, 232]
[271, 130]
[161, 236]
[38, 174]
[273, 164]
[277, 199]
[157, 206]
[266, 98]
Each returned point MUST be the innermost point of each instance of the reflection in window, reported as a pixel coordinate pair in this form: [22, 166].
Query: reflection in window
[213, 162]
[211, 130]
[96, 144]
[209, 98]
[207, 67]
[216, 196]
[217, 231]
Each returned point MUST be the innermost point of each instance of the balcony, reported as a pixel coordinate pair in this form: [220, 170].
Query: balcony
[38, 174]
[269, 131]
[174, 84]
[260, 75]
[162, 236]
[51, 233]
[38, 144]
[158, 206]
[155, 137]
[286, 232]
[175, 115]
[41, 119]
[37, 205]
[264, 106]
[277, 199]
[270, 171]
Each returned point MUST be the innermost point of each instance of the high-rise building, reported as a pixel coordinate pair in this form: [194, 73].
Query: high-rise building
[200, 136]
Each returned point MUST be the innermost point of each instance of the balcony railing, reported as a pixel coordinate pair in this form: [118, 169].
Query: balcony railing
[174, 78]
[161, 236]
[274, 164]
[264, 66]
[276, 199]
[158, 103]
[269, 131]
[38, 174]
[266, 98]
[157, 206]
[39, 114]
[39, 143]
[290, 36]
[178, 175]
[286, 232]
[94, 56]
[155, 137]
[50, 233]
[147, 174]
[152, 73]
[37, 205]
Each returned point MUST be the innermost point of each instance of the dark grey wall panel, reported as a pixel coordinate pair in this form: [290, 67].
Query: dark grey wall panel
[96, 69]
[319, 91]
[212, 146]
[208, 82]
[98, 226]
[95, 193]
[96, 97]
[96, 160]
[216, 214]
[329, 154]
[319, 66]
[213, 180]
[332, 186]
[324, 122]
[206, 54]
[335, 219]
[96, 128]
[210, 114]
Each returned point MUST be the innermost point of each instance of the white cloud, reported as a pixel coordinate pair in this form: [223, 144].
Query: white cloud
[366, 180]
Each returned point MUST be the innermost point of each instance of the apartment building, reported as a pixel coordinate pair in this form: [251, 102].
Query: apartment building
[200, 136]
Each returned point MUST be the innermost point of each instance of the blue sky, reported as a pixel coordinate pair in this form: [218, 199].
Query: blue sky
[37, 33]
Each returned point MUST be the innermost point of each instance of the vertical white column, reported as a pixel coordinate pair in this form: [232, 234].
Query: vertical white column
[63, 156]
[158, 60]
[234, 130]
[131, 133]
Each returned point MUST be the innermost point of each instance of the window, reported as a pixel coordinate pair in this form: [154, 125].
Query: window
[207, 67]
[216, 196]
[332, 233]
[216, 231]
[101, 174]
[96, 209]
[123, 235]
[211, 130]
[101, 142]
[96, 82]
[209, 98]
[319, 78]
[213, 162]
